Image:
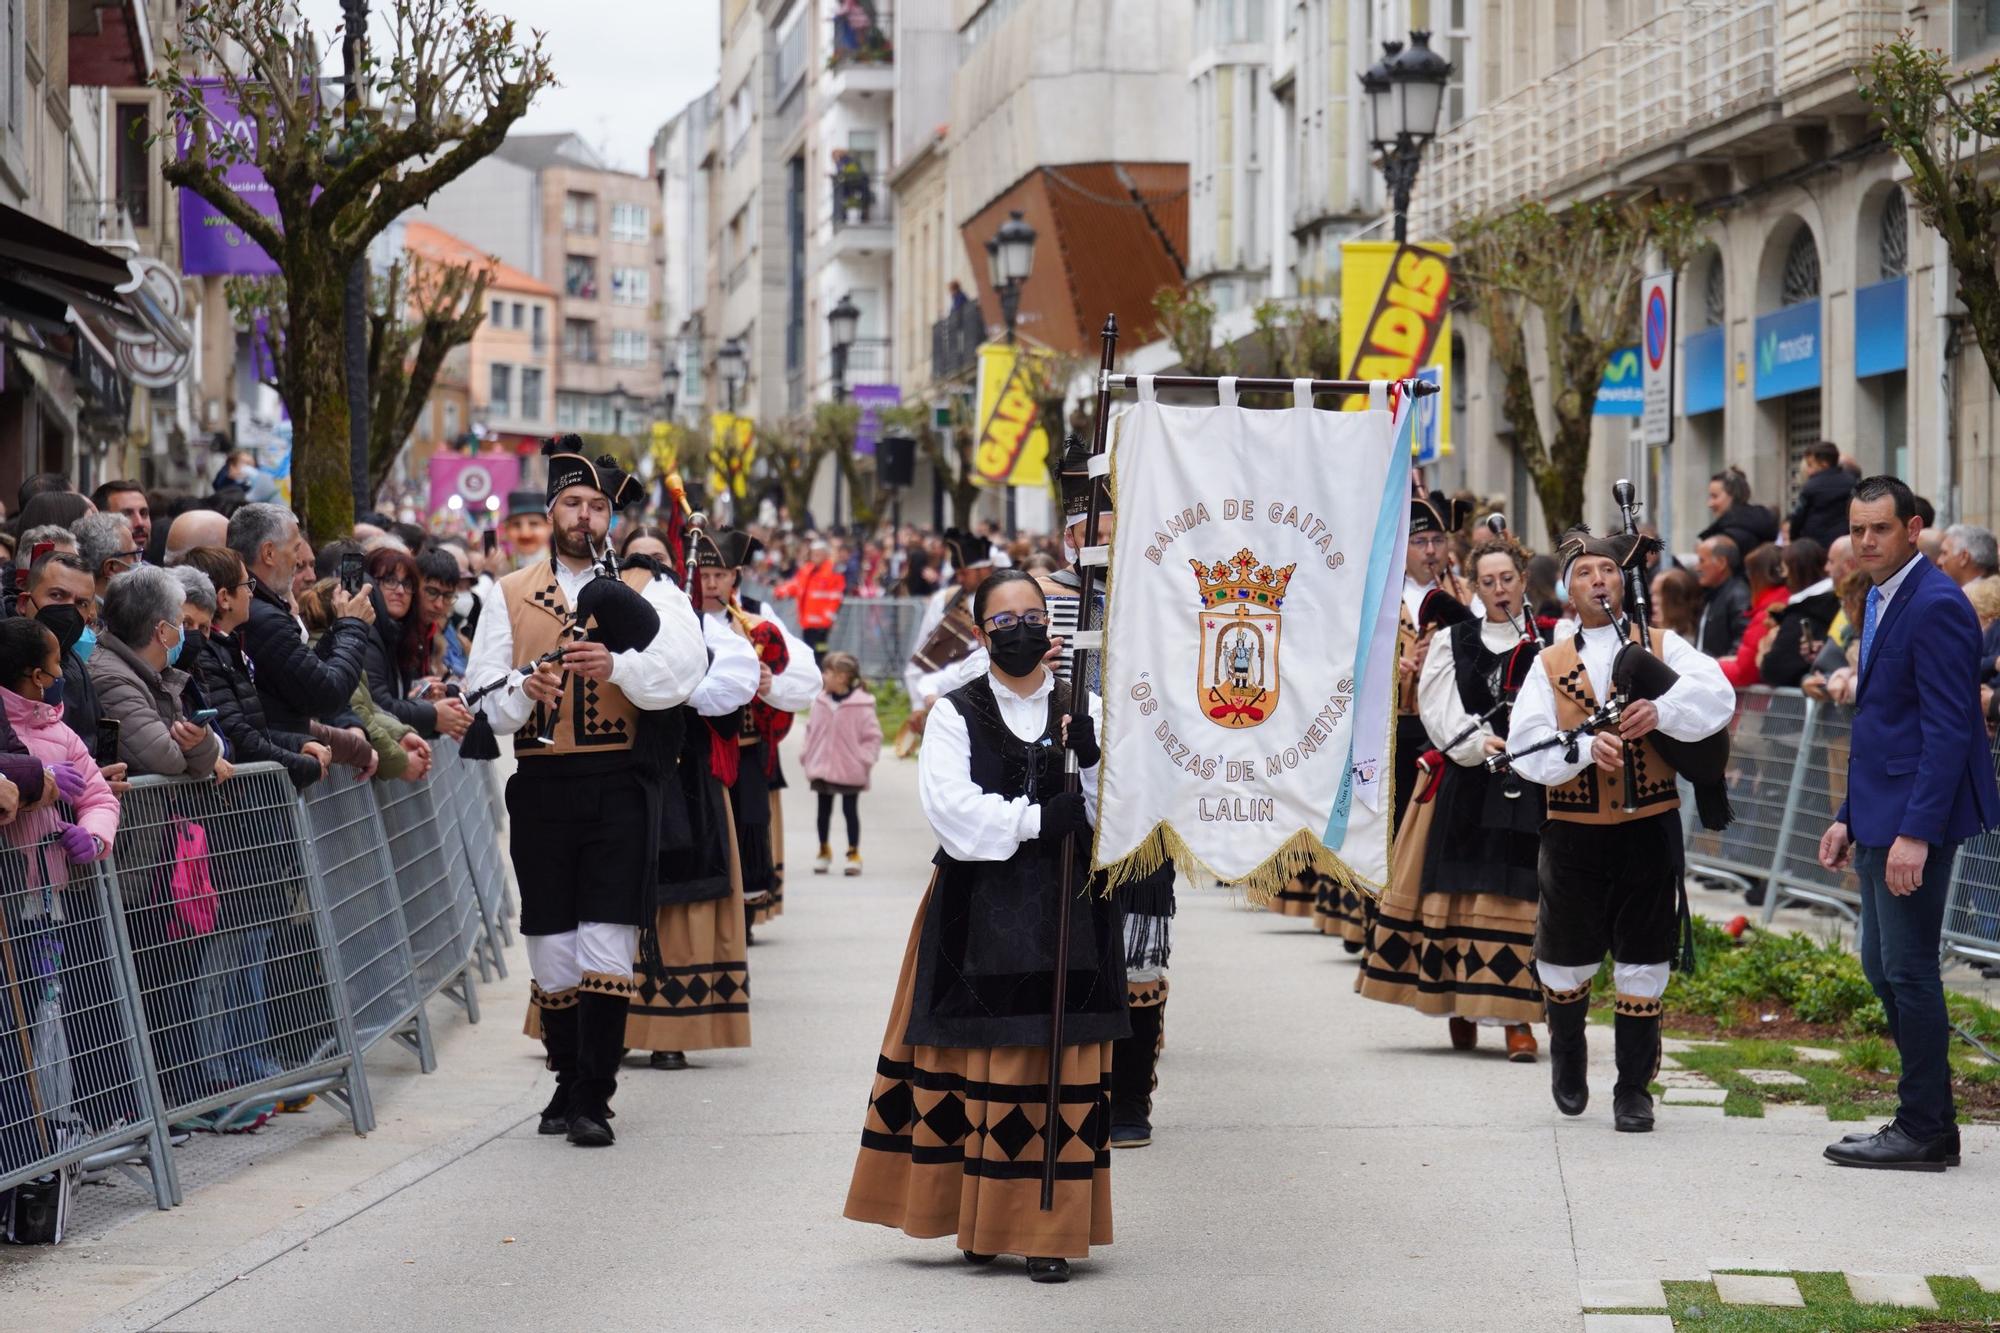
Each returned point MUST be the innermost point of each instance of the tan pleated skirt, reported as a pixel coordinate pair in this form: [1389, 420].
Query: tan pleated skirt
[952, 1141]
[1468, 955]
[1296, 898]
[697, 996]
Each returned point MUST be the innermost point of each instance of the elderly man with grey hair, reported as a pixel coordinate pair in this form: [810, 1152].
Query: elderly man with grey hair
[1967, 553]
[105, 543]
[139, 684]
[295, 684]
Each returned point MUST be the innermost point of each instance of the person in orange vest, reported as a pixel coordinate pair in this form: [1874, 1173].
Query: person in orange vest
[818, 587]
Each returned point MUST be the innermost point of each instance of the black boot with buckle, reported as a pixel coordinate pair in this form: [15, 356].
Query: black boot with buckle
[1134, 1060]
[602, 1001]
[1569, 1049]
[559, 1040]
[1636, 1033]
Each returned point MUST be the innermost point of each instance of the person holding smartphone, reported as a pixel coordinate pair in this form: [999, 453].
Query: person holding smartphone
[139, 682]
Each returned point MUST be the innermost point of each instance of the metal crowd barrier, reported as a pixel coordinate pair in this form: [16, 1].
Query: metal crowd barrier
[239, 945]
[879, 631]
[1787, 779]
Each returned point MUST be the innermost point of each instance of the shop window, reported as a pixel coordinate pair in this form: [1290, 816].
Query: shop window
[1893, 235]
[1801, 277]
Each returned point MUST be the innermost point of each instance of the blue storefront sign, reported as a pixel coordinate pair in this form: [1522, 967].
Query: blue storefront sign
[1881, 327]
[1702, 378]
[1622, 391]
[1787, 346]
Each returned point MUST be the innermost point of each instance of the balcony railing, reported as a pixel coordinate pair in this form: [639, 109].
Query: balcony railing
[860, 200]
[869, 361]
[98, 219]
[1732, 59]
[1652, 79]
[955, 341]
[1833, 37]
[1454, 182]
[1581, 108]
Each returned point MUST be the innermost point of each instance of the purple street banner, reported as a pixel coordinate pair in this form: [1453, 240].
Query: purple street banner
[871, 399]
[210, 242]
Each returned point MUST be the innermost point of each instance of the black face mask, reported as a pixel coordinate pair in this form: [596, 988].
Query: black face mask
[64, 621]
[1018, 649]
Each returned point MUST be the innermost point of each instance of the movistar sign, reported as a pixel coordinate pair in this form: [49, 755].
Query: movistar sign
[1788, 350]
[1622, 391]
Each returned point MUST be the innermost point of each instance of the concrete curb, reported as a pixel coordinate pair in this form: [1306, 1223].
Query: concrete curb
[183, 1293]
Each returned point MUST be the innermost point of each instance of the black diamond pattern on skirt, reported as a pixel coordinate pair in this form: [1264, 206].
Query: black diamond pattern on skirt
[673, 989]
[1432, 962]
[1506, 965]
[947, 1120]
[726, 988]
[1472, 962]
[1393, 948]
[896, 1106]
[697, 990]
[1014, 1132]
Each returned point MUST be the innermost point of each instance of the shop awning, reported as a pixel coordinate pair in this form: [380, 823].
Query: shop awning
[45, 273]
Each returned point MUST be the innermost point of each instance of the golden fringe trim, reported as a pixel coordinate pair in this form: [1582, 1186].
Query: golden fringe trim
[1302, 851]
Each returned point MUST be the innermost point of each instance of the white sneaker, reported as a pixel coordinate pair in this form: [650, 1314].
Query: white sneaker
[824, 862]
[853, 861]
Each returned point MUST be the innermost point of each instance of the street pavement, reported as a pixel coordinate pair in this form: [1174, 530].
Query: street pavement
[1319, 1162]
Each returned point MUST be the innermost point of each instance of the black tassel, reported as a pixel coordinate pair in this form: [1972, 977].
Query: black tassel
[479, 742]
[1711, 803]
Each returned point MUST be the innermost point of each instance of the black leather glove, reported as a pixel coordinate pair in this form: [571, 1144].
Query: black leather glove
[1083, 742]
[1064, 814]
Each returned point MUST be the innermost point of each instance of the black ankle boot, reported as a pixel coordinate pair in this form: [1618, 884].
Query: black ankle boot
[1134, 1060]
[1569, 1050]
[601, 1005]
[559, 1040]
[1636, 1031]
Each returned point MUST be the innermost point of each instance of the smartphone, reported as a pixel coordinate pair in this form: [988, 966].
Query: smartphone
[107, 740]
[489, 541]
[205, 717]
[352, 571]
[37, 551]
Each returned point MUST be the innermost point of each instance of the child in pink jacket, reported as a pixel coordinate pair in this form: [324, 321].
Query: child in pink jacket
[30, 669]
[843, 741]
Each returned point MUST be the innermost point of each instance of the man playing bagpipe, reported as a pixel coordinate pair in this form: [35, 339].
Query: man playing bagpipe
[788, 682]
[1601, 724]
[608, 658]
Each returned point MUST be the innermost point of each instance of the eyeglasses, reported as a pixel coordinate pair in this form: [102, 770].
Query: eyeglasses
[1000, 620]
[436, 594]
[393, 585]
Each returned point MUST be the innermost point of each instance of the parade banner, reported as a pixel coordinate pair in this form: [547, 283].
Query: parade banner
[872, 399]
[1247, 582]
[473, 480]
[732, 449]
[210, 243]
[1013, 448]
[1395, 303]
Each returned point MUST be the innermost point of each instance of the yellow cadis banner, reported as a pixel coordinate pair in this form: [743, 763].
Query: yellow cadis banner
[1395, 322]
[731, 451]
[1013, 447]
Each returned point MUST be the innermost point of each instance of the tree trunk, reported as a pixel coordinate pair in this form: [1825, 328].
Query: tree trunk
[1559, 482]
[315, 357]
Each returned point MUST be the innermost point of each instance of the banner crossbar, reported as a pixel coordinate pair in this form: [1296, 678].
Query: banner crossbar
[1414, 387]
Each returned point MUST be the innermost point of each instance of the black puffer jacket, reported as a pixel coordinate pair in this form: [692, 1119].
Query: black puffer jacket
[1804, 622]
[295, 682]
[232, 693]
[1821, 510]
[387, 685]
[1749, 526]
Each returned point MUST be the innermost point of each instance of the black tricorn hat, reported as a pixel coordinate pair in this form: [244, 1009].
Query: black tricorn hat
[968, 550]
[570, 466]
[725, 548]
[1076, 481]
[1625, 550]
[1436, 513]
[527, 504]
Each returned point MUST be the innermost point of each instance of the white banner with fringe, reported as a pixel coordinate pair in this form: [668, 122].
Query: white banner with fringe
[1256, 555]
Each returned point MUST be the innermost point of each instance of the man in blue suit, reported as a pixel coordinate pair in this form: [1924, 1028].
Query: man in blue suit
[1919, 782]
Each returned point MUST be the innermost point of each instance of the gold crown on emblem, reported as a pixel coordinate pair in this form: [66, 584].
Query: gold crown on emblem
[1241, 581]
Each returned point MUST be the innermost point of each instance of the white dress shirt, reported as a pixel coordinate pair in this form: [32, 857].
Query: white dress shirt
[1889, 590]
[932, 617]
[1437, 693]
[733, 671]
[972, 824]
[792, 689]
[1700, 704]
[661, 675]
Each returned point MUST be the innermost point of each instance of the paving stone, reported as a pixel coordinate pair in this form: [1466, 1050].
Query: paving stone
[1773, 1078]
[1685, 1078]
[1709, 1096]
[1676, 1045]
[1628, 1323]
[1987, 1278]
[1623, 1294]
[1907, 1289]
[1668, 1062]
[1741, 1289]
[1794, 1111]
[1816, 1054]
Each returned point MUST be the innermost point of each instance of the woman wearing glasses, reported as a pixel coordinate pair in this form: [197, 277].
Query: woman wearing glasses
[953, 1143]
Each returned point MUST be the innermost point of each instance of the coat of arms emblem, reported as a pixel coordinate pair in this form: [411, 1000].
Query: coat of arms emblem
[1236, 677]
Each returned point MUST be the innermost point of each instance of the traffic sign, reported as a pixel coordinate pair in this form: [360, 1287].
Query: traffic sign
[1656, 346]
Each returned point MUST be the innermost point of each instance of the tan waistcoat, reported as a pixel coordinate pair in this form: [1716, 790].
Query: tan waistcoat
[593, 717]
[1594, 796]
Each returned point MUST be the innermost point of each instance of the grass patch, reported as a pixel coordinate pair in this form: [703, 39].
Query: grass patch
[1745, 1104]
[1830, 1309]
[892, 706]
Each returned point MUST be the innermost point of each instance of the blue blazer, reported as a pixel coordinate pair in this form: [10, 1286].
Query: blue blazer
[1920, 766]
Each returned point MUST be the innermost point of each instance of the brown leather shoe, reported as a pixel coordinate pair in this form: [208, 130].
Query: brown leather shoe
[1464, 1033]
[1521, 1048]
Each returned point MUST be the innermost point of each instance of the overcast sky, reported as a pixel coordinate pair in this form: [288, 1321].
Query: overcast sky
[624, 66]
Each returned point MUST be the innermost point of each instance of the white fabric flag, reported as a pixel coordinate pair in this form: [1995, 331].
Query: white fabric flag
[1240, 569]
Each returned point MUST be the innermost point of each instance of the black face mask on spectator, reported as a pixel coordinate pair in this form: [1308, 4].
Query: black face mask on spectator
[63, 621]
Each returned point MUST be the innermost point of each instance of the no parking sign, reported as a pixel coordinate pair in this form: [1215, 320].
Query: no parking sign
[1656, 347]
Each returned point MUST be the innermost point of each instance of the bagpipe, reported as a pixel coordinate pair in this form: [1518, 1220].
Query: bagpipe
[1432, 763]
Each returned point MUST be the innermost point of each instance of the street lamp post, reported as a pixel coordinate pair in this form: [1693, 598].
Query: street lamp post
[730, 364]
[670, 387]
[1405, 91]
[843, 322]
[1009, 256]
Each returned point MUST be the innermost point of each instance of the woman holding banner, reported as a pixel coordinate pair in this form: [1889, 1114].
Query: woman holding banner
[953, 1139]
[1455, 934]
